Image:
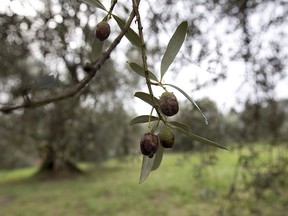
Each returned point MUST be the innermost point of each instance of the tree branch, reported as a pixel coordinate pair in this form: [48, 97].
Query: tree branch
[77, 88]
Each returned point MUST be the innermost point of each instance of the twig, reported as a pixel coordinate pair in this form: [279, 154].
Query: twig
[111, 8]
[77, 88]
[144, 54]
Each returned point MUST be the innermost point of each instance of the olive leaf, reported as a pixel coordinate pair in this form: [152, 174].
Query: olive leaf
[97, 48]
[173, 47]
[147, 98]
[190, 99]
[188, 131]
[96, 3]
[147, 164]
[184, 128]
[207, 142]
[131, 35]
[140, 71]
[158, 158]
[143, 119]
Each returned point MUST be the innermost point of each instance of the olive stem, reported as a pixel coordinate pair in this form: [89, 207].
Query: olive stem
[144, 55]
[149, 122]
[154, 83]
[111, 8]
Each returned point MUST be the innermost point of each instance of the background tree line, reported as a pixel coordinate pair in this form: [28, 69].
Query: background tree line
[104, 134]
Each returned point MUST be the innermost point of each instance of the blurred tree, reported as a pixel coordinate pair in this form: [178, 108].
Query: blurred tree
[262, 122]
[15, 149]
[233, 126]
[283, 106]
[44, 48]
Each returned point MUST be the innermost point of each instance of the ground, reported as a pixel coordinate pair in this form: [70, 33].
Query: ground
[181, 186]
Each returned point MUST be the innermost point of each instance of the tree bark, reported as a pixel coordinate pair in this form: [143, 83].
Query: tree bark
[57, 160]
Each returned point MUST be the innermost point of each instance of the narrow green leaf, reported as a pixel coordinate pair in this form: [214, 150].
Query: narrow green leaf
[184, 128]
[97, 48]
[158, 158]
[143, 119]
[206, 141]
[147, 164]
[188, 131]
[173, 47]
[96, 3]
[147, 98]
[131, 35]
[190, 99]
[140, 71]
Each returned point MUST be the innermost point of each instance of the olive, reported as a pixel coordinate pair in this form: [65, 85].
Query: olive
[166, 137]
[149, 144]
[168, 104]
[102, 30]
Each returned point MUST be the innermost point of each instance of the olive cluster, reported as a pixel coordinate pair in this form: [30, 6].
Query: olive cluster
[150, 141]
[168, 105]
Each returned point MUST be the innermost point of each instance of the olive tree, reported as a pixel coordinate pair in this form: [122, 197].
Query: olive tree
[63, 51]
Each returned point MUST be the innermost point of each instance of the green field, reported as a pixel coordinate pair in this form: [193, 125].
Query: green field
[180, 187]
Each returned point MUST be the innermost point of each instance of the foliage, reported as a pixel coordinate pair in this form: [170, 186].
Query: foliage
[259, 175]
[173, 48]
[258, 122]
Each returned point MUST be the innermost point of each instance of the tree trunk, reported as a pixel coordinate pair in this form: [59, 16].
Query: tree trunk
[57, 161]
[55, 165]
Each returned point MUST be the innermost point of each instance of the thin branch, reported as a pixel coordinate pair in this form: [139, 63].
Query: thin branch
[144, 54]
[77, 88]
[111, 8]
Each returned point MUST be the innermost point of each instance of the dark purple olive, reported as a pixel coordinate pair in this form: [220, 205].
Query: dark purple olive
[149, 144]
[102, 30]
[169, 104]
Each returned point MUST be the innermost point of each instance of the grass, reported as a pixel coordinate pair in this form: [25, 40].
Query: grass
[180, 187]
